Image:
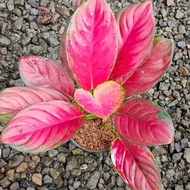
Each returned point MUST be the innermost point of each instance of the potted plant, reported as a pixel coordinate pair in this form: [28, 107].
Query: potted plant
[111, 58]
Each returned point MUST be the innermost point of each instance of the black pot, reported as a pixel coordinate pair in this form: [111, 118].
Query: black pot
[88, 150]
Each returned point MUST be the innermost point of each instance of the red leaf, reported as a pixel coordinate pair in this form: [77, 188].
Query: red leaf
[38, 71]
[43, 126]
[13, 100]
[106, 99]
[63, 54]
[92, 43]
[136, 29]
[136, 165]
[141, 121]
[152, 68]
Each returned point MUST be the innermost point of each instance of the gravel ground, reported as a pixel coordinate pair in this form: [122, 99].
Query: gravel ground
[67, 167]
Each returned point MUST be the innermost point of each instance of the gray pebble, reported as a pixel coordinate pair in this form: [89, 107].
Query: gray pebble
[179, 14]
[4, 41]
[93, 181]
[187, 154]
[47, 179]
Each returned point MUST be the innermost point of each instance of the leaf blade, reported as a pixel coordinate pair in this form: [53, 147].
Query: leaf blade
[136, 165]
[13, 100]
[153, 67]
[53, 122]
[141, 121]
[107, 98]
[90, 35]
[136, 29]
[39, 71]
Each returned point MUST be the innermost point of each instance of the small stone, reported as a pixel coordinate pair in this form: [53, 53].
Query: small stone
[47, 179]
[76, 184]
[4, 41]
[176, 157]
[181, 44]
[71, 164]
[22, 167]
[178, 55]
[173, 103]
[37, 178]
[2, 163]
[120, 182]
[76, 172]
[19, 2]
[187, 154]
[5, 182]
[77, 151]
[170, 2]
[61, 158]
[163, 12]
[93, 181]
[16, 160]
[11, 174]
[179, 187]
[183, 70]
[54, 173]
[52, 153]
[181, 29]
[179, 14]
[34, 49]
[83, 166]
[30, 32]
[10, 5]
[14, 186]
[18, 24]
[55, 18]
[53, 42]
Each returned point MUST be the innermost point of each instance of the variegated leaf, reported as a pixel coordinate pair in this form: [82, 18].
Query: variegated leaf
[143, 122]
[136, 29]
[92, 43]
[13, 100]
[106, 99]
[38, 71]
[43, 126]
[153, 67]
[136, 165]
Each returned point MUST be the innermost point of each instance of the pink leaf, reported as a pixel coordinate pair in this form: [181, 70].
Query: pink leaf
[152, 68]
[106, 99]
[63, 54]
[78, 3]
[38, 71]
[92, 43]
[136, 165]
[43, 126]
[141, 121]
[136, 29]
[13, 100]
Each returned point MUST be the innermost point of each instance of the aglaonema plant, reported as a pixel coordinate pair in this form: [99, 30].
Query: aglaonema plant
[112, 58]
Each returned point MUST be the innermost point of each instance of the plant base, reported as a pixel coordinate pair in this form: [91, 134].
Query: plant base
[93, 136]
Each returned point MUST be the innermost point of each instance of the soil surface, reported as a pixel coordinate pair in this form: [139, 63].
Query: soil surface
[67, 167]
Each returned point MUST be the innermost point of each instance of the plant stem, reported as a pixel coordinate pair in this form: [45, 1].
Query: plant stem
[91, 116]
[110, 128]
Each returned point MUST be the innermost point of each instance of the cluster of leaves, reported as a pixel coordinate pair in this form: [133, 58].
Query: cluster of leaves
[111, 57]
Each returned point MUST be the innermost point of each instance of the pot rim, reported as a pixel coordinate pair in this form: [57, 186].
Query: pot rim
[86, 149]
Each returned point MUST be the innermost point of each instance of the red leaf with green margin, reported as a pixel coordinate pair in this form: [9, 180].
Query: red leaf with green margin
[63, 54]
[92, 43]
[39, 71]
[43, 126]
[13, 100]
[143, 122]
[106, 99]
[136, 165]
[136, 29]
[153, 67]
